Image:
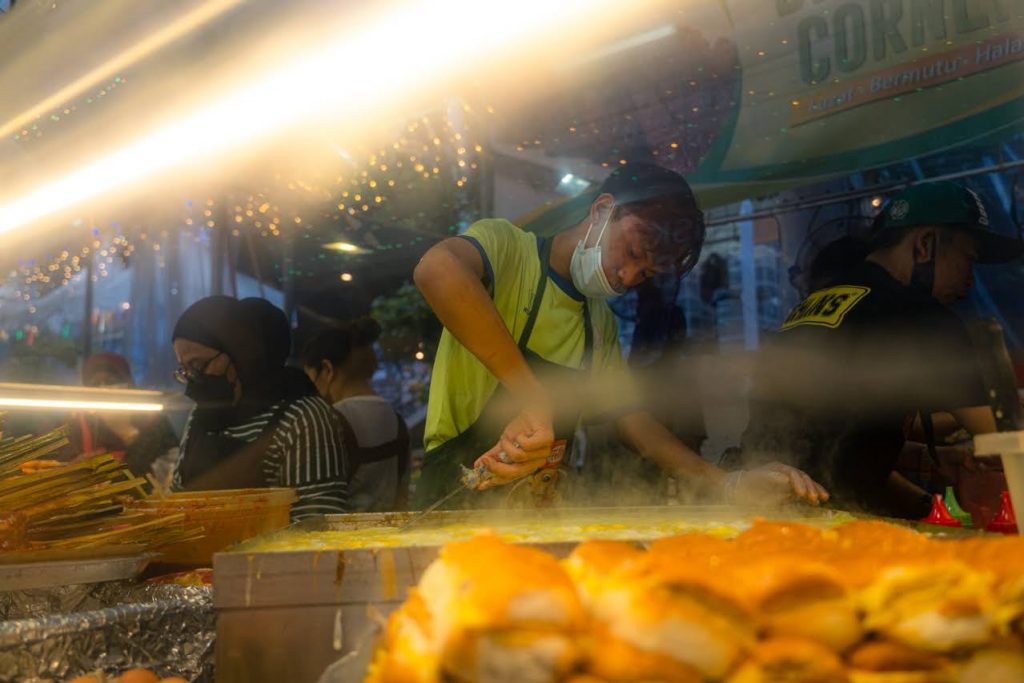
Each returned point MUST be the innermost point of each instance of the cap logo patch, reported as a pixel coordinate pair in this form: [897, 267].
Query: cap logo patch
[982, 212]
[899, 209]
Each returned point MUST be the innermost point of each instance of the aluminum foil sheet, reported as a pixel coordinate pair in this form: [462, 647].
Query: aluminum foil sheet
[42, 602]
[56, 634]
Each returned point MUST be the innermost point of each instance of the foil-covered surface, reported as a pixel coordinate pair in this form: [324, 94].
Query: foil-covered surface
[56, 634]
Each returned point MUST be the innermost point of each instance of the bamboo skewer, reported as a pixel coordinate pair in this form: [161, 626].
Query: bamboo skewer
[24, 449]
[85, 505]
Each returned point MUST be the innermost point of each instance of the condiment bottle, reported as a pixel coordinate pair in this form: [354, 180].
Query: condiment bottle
[940, 514]
[1005, 522]
[953, 505]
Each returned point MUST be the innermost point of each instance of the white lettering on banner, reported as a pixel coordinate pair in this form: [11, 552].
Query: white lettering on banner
[988, 52]
[831, 101]
[956, 63]
[917, 75]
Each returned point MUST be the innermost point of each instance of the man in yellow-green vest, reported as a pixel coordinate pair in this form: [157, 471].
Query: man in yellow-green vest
[530, 346]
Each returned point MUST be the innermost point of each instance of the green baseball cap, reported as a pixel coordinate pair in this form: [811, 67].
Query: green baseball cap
[947, 203]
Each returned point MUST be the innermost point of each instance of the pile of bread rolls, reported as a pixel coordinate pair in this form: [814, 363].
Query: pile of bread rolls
[865, 602]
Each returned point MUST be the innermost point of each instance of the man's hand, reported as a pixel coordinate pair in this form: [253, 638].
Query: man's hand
[449, 276]
[523, 448]
[772, 484]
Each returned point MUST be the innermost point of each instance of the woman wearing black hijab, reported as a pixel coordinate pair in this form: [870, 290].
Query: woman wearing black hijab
[256, 422]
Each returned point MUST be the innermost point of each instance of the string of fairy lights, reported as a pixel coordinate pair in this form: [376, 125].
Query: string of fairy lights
[438, 147]
[32, 280]
[44, 123]
[430, 148]
[666, 151]
[435, 148]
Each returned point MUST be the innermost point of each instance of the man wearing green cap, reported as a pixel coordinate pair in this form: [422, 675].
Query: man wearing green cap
[859, 362]
[530, 345]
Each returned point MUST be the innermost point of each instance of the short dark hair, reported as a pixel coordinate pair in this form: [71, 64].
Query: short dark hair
[336, 343]
[662, 199]
[886, 238]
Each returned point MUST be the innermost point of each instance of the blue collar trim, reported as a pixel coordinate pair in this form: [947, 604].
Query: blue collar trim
[563, 284]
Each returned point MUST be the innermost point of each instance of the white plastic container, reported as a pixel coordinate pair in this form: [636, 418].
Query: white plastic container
[1010, 446]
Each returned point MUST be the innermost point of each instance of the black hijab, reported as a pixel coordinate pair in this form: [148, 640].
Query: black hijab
[256, 336]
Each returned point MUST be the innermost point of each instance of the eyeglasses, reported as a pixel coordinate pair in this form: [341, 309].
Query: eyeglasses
[184, 374]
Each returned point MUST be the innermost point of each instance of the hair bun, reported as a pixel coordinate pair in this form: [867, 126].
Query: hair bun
[365, 331]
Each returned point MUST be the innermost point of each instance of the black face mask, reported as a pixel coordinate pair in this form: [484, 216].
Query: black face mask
[215, 400]
[210, 391]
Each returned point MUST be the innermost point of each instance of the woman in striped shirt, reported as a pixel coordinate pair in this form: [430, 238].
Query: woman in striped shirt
[340, 361]
[256, 422]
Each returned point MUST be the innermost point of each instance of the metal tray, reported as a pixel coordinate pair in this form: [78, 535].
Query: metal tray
[695, 515]
[620, 515]
[534, 527]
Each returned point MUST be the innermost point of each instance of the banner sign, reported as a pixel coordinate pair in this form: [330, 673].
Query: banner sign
[831, 86]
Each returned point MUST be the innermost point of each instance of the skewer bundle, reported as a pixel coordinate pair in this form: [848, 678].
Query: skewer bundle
[16, 452]
[90, 504]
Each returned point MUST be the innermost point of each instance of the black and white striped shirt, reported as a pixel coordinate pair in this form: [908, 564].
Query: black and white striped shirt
[305, 453]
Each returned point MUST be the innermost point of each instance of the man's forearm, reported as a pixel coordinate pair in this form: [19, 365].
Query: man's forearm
[652, 440]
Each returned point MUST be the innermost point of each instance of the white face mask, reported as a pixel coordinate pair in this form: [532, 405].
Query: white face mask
[586, 269]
